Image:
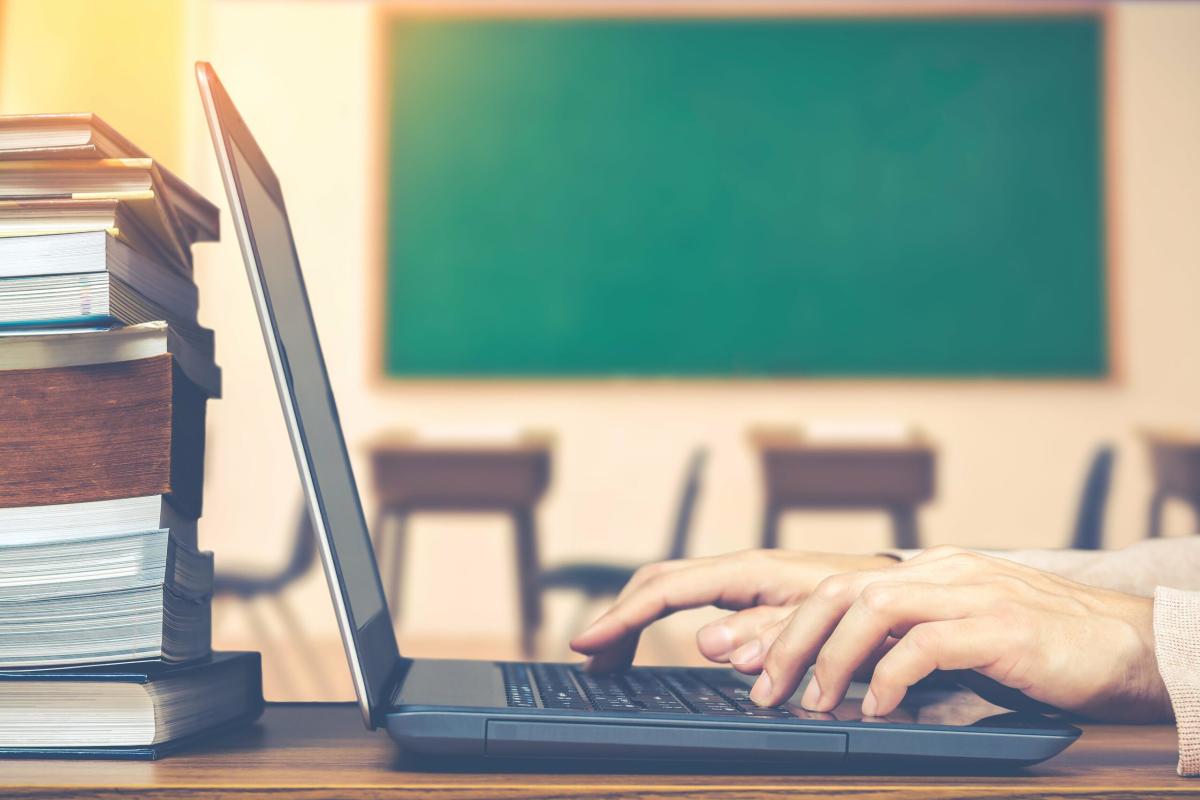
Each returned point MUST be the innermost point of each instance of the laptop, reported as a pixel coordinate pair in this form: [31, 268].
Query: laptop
[489, 710]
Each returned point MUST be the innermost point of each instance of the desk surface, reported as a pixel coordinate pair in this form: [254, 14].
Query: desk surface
[322, 750]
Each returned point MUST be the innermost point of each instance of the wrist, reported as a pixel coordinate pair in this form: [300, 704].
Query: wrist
[1141, 687]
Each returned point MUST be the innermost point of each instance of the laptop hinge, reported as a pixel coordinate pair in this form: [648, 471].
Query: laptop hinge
[391, 689]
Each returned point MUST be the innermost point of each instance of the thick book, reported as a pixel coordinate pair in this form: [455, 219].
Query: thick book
[102, 432]
[121, 218]
[72, 347]
[136, 710]
[27, 137]
[126, 625]
[136, 180]
[66, 522]
[40, 565]
[67, 600]
[88, 252]
[91, 278]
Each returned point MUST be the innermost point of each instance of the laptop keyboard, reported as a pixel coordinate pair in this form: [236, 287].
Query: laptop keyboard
[666, 691]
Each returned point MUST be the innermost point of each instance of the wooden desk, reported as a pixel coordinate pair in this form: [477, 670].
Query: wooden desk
[411, 476]
[799, 475]
[322, 750]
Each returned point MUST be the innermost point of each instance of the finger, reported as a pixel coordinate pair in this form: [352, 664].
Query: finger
[883, 610]
[613, 637]
[717, 640]
[795, 647]
[640, 577]
[750, 656]
[863, 673]
[975, 643]
[723, 582]
[617, 653]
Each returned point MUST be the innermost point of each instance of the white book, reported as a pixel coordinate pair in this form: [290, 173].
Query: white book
[47, 348]
[128, 625]
[77, 567]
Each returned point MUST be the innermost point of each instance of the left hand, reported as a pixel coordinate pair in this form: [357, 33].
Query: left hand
[1079, 648]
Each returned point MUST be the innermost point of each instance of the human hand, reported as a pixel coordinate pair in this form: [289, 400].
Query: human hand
[1077, 647]
[763, 585]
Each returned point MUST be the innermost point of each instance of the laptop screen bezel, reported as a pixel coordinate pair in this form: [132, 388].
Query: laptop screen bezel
[370, 649]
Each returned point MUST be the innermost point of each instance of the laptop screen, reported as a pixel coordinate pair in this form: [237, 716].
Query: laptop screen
[315, 410]
[308, 404]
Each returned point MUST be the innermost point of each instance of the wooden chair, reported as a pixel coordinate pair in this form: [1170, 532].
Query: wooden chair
[804, 475]
[251, 586]
[412, 476]
[1175, 463]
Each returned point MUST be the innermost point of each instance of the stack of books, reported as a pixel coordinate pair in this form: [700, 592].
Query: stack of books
[105, 614]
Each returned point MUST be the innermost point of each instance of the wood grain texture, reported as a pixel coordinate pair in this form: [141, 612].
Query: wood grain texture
[101, 432]
[323, 751]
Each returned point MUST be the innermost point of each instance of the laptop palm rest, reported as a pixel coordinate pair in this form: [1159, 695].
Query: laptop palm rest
[599, 740]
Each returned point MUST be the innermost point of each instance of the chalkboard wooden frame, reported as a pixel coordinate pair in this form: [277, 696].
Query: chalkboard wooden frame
[378, 146]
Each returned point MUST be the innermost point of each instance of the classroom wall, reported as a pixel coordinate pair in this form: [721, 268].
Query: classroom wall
[1012, 453]
[80, 55]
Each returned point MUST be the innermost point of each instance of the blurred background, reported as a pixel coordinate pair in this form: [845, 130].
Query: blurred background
[595, 282]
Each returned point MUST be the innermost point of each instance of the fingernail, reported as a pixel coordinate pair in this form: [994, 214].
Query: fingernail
[869, 704]
[746, 653]
[761, 693]
[716, 641]
[812, 694]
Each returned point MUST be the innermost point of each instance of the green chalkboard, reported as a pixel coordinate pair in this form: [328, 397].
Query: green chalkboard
[745, 197]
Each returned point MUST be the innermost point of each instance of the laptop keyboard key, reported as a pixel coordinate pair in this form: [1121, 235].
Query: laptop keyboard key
[660, 691]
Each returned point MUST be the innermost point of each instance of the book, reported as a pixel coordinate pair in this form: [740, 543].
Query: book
[66, 522]
[28, 137]
[98, 251]
[125, 625]
[39, 567]
[53, 215]
[135, 180]
[106, 374]
[92, 299]
[102, 432]
[133, 710]
[71, 347]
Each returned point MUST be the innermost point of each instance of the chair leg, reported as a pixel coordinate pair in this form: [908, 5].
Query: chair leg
[904, 527]
[1157, 502]
[383, 544]
[770, 526]
[278, 660]
[378, 533]
[528, 576]
[395, 582]
[304, 645]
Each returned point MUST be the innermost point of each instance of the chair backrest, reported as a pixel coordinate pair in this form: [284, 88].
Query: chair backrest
[688, 497]
[300, 560]
[304, 548]
[1093, 501]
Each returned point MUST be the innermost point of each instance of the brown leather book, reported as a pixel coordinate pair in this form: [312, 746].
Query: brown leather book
[102, 432]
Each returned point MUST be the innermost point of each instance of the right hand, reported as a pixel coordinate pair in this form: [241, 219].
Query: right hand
[763, 586]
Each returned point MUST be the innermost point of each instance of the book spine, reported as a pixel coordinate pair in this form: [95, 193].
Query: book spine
[102, 432]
